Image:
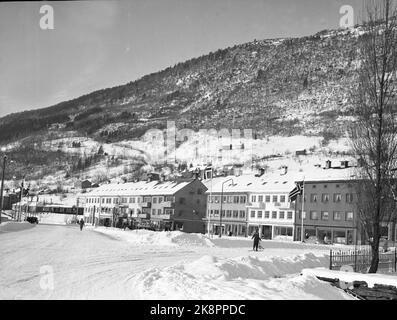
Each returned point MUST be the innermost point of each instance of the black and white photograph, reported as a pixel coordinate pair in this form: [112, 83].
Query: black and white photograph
[217, 151]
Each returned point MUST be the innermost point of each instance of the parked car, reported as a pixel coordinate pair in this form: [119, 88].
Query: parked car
[32, 220]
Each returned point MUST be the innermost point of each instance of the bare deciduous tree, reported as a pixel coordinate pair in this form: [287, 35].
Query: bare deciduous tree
[374, 134]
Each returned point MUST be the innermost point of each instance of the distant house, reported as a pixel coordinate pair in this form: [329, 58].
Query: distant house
[301, 152]
[95, 185]
[8, 200]
[85, 184]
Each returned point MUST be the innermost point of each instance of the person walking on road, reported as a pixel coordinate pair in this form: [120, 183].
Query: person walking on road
[81, 224]
[256, 238]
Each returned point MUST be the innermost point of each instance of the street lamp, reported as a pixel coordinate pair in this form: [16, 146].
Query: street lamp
[220, 213]
[2, 186]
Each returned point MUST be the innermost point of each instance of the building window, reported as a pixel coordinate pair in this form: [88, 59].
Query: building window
[209, 199]
[169, 211]
[253, 198]
[242, 199]
[224, 199]
[267, 214]
[253, 214]
[275, 198]
[289, 215]
[274, 214]
[216, 212]
[229, 199]
[260, 198]
[160, 199]
[154, 212]
[182, 200]
[216, 199]
[159, 211]
[235, 213]
[349, 197]
[325, 197]
[236, 199]
[324, 215]
[228, 213]
[242, 214]
[267, 198]
[223, 213]
[313, 215]
[283, 231]
[313, 197]
[349, 215]
[260, 214]
[337, 215]
[337, 197]
[282, 198]
[154, 200]
[282, 215]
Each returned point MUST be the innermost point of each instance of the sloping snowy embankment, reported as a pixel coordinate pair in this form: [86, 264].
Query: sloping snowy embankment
[164, 238]
[237, 278]
[225, 271]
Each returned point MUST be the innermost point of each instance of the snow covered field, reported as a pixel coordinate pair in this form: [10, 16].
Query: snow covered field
[62, 262]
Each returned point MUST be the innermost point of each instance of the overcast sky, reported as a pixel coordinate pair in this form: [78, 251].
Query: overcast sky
[99, 44]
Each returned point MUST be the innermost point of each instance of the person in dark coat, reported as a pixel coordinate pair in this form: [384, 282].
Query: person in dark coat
[81, 224]
[256, 238]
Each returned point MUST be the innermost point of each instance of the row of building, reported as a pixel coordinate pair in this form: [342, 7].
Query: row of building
[238, 205]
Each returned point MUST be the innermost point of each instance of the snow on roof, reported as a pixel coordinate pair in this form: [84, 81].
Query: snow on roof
[276, 182]
[333, 174]
[139, 188]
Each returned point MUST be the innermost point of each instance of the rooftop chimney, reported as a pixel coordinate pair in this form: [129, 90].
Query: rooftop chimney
[328, 164]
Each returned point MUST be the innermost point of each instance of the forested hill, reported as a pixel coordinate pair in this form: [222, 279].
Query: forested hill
[279, 86]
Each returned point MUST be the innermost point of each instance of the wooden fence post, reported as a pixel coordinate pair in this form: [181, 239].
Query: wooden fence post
[330, 259]
[355, 260]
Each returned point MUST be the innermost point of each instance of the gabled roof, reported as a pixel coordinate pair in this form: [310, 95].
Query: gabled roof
[249, 183]
[140, 188]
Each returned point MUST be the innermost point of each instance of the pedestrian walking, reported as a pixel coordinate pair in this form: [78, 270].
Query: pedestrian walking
[256, 238]
[81, 224]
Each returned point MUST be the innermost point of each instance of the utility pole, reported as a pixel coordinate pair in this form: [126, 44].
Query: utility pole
[303, 206]
[20, 202]
[2, 185]
[220, 213]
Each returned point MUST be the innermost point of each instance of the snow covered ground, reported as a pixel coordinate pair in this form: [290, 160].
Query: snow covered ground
[62, 262]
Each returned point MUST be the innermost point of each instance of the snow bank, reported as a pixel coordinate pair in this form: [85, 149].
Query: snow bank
[370, 279]
[237, 278]
[15, 226]
[162, 238]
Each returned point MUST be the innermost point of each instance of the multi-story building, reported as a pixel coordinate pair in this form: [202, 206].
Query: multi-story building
[169, 205]
[230, 216]
[269, 209]
[251, 202]
[330, 208]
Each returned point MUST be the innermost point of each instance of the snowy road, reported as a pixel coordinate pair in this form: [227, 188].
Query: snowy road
[62, 262]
